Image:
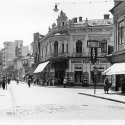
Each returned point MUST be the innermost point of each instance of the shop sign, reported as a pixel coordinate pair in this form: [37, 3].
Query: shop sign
[78, 67]
[93, 55]
[25, 62]
[98, 67]
[76, 61]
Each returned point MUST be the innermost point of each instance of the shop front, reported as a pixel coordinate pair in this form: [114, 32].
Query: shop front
[78, 73]
[80, 70]
[59, 66]
[99, 77]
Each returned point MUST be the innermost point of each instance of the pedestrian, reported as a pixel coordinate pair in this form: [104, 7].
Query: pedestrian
[37, 81]
[3, 82]
[29, 80]
[64, 82]
[8, 80]
[106, 85]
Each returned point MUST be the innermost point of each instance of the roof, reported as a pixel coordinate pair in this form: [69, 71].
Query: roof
[96, 22]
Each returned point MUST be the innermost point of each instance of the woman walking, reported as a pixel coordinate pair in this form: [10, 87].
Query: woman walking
[106, 85]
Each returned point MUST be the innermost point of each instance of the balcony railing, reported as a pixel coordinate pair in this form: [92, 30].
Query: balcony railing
[80, 54]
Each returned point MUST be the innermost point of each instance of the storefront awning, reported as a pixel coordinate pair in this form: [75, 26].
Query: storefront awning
[41, 67]
[117, 68]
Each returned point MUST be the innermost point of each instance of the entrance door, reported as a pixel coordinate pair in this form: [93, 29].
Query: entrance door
[78, 75]
[59, 75]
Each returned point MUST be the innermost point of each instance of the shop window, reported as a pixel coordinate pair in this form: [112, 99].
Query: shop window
[110, 49]
[79, 46]
[121, 32]
[55, 47]
[103, 46]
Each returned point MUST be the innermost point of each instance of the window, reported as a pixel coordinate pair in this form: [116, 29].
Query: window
[79, 46]
[55, 47]
[67, 48]
[103, 46]
[46, 51]
[63, 23]
[50, 48]
[62, 48]
[121, 32]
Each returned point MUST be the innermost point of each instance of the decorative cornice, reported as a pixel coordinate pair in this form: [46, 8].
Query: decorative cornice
[78, 37]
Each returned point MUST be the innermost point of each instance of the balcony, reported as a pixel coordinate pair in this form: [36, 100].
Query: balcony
[57, 55]
[80, 54]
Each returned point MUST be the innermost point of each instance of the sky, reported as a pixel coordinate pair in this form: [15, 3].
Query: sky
[19, 19]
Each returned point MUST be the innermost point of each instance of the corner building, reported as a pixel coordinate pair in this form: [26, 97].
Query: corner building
[118, 55]
[65, 46]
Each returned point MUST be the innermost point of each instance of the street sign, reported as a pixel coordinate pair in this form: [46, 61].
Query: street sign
[93, 55]
[93, 43]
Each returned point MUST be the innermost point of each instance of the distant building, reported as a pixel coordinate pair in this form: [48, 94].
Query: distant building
[35, 45]
[23, 66]
[8, 53]
[21, 50]
[13, 51]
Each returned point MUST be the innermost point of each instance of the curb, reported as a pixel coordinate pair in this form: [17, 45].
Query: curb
[102, 97]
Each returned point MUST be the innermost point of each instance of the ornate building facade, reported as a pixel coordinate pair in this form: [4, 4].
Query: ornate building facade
[65, 46]
[118, 56]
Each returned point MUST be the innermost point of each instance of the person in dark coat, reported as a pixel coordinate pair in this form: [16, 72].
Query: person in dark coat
[29, 80]
[3, 82]
[106, 85]
[8, 80]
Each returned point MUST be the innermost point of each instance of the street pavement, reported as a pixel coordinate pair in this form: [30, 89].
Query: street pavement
[7, 100]
[68, 101]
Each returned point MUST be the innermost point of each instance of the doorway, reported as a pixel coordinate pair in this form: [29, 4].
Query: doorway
[59, 76]
[78, 77]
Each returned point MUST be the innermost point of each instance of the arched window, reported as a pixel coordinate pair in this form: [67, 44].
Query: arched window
[79, 46]
[55, 47]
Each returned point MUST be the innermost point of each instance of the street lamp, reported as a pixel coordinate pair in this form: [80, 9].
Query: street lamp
[56, 9]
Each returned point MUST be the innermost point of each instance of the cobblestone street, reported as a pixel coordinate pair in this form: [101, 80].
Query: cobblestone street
[39, 102]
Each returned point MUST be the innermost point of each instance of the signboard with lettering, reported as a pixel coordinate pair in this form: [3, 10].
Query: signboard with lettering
[93, 55]
[98, 67]
[93, 43]
[78, 67]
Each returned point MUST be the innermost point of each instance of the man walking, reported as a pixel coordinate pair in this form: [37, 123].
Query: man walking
[64, 82]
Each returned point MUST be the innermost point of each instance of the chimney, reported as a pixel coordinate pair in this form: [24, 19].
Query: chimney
[75, 20]
[116, 2]
[106, 16]
[80, 19]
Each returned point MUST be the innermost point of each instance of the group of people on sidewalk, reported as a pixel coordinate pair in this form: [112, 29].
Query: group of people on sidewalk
[107, 84]
[4, 81]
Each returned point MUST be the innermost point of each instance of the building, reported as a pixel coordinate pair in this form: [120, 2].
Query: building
[13, 51]
[8, 53]
[66, 47]
[118, 56]
[35, 45]
[23, 66]
[21, 50]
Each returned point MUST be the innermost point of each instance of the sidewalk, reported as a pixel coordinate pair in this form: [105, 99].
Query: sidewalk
[115, 96]
[5, 103]
[99, 93]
